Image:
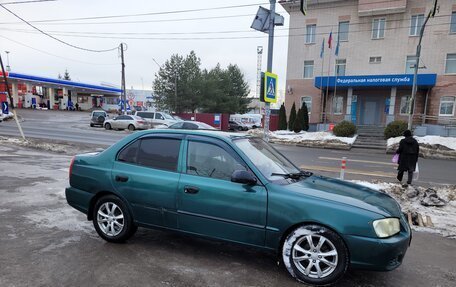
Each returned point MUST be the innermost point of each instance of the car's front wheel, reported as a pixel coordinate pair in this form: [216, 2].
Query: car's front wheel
[131, 127]
[315, 255]
[108, 126]
[112, 219]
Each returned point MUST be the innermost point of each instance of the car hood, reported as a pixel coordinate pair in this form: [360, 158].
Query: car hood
[347, 193]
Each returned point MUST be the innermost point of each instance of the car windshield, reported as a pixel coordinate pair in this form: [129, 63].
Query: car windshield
[167, 116]
[266, 158]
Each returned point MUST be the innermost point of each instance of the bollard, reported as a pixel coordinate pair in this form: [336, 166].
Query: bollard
[342, 168]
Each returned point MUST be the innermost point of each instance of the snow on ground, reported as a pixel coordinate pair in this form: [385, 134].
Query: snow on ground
[6, 116]
[443, 218]
[303, 137]
[449, 142]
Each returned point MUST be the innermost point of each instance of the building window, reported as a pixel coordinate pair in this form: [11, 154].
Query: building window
[111, 100]
[375, 60]
[338, 105]
[453, 23]
[308, 101]
[308, 69]
[378, 28]
[447, 105]
[450, 67]
[416, 22]
[410, 64]
[310, 33]
[83, 99]
[404, 105]
[343, 30]
[340, 67]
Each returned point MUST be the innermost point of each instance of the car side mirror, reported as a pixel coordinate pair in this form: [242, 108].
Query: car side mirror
[244, 177]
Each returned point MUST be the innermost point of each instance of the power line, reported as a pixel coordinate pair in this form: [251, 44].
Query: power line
[57, 39]
[139, 21]
[211, 38]
[26, 2]
[67, 33]
[53, 55]
[148, 14]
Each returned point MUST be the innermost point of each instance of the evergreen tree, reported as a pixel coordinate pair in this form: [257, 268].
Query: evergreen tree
[297, 125]
[282, 118]
[292, 117]
[59, 77]
[305, 117]
[66, 75]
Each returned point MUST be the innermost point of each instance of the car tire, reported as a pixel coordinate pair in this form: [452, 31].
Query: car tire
[315, 255]
[107, 126]
[91, 125]
[112, 219]
[131, 127]
[101, 119]
[240, 129]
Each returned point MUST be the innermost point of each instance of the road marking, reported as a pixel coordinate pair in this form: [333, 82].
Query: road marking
[358, 160]
[349, 171]
[8, 155]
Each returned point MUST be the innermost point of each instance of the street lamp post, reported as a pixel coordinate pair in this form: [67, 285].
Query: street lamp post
[416, 66]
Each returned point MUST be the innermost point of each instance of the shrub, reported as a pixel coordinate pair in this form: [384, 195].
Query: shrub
[292, 117]
[344, 129]
[297, 126]
[305, 117]
[282, 118]
[395, 129]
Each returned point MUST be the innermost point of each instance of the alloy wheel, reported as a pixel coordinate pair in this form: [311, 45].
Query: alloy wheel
[110, 219]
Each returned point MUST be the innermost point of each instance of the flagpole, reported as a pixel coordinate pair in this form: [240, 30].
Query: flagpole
[321, 78]
[327, 80]
[335, 71]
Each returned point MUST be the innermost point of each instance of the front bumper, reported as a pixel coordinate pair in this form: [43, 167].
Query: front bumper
[378, 254]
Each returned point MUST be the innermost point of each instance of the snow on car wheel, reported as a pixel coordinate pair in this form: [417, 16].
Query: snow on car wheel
[315, 255]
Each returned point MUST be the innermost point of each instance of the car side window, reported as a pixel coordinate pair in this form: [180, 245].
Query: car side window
[129, 153]
[210, 160]
[159, 116]
[159, 153]
[176, 126]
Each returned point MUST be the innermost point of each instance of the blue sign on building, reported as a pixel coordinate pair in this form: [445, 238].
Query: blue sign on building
[401, 80]
[5, 109]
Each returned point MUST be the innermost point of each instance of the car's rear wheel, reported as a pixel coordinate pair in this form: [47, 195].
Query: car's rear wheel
[131, 128]
[112, 219]
[91, 125]
[240, 128]
[315, 255]
[108, 126]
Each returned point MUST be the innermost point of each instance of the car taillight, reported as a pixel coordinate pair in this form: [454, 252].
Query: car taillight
[141, 122]
[70, 170]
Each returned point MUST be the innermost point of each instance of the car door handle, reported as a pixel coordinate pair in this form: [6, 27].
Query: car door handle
[191, 189]
[121, 178]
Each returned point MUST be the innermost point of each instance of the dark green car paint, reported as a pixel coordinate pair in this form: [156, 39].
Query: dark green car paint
[259, 215]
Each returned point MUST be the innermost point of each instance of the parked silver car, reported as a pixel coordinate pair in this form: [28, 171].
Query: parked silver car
[157, 118]
[127, 122]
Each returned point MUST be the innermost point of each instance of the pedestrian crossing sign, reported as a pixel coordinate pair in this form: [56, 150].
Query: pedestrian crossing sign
[270, 87]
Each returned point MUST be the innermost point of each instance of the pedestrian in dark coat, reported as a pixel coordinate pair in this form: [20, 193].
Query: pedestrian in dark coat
[408, 151]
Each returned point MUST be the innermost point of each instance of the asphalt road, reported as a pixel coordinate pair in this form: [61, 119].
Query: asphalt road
[45, 242]
[362, 164]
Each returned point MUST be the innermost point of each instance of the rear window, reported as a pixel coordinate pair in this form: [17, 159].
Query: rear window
[159, 153]
[97, 114]
[145, 115]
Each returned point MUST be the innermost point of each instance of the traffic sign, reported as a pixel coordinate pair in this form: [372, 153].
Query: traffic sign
[5, 109]
[270, 87]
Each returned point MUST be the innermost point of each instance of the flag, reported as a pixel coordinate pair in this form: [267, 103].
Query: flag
[337, 47]
[330, 40]
[322, 51]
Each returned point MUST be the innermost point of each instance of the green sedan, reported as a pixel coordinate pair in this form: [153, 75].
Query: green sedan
[240, 189]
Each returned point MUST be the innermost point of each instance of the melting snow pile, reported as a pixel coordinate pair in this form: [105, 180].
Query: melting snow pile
[430, 146]
[312, 139]
[438, 203]
[6, 116]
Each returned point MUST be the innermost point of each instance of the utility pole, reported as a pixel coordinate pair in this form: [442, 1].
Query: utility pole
[175, 93]
[416, 66]
[269, 68]
[124, 93]
[259, 62]
[5, 78]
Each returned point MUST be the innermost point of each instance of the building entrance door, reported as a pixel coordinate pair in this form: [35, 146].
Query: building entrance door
[370, 113]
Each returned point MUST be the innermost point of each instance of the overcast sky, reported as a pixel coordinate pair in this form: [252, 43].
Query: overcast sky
[140, 68]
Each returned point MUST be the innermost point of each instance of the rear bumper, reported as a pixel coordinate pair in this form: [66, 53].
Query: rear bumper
[79, 199]
[378, 254]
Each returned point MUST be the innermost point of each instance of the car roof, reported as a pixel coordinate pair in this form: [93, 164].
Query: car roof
[209, 133]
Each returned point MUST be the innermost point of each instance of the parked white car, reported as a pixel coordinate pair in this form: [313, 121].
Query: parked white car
[123, 122]
[157, 118]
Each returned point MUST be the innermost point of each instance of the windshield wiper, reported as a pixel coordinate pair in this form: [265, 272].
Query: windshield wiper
[296, 175]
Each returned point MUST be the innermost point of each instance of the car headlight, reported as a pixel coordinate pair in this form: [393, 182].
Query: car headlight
[386, 227]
